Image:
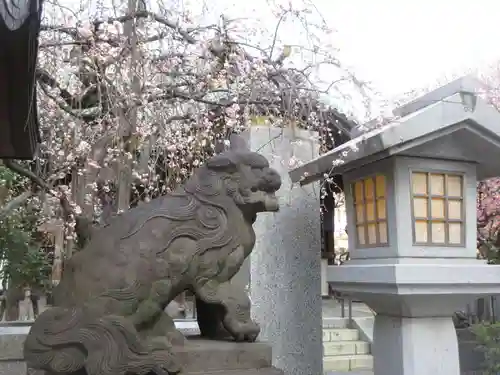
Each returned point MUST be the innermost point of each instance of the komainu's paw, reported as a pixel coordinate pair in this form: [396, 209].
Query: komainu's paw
[166, 365]
[162, 353]
[247, 331]
[175, 337]
[160, 370]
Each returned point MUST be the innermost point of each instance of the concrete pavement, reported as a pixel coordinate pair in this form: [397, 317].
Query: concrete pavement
[333, 309]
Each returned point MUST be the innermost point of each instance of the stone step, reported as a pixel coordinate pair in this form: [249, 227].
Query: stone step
[335, 323]
[340, 334]
[348, 362]
[336, 348]
[261, 371]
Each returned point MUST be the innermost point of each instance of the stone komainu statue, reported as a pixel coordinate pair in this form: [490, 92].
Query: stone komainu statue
[108, 316]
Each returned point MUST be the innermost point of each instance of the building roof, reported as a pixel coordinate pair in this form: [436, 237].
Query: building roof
[451, 122]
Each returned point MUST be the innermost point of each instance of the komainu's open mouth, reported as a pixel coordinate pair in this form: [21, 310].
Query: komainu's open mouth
[271, 202]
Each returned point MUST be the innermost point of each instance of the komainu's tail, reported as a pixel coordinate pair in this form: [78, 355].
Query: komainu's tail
[65, 340]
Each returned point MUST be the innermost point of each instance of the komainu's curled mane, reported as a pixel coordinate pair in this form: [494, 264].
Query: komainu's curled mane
[109, 314]
[199, 203]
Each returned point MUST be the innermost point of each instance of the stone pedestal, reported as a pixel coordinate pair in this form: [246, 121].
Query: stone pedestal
[197, 356]
[286, 261]
[200, 356]
[415, 346]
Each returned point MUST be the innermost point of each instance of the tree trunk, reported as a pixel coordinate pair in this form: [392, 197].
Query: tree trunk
[12, 298]
[2, 307]
[129, 143]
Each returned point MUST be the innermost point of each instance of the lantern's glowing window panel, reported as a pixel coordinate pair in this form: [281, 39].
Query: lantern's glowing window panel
[370, 211]
[438, 208]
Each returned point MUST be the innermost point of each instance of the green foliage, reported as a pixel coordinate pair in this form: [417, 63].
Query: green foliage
[22, 263]
[491, 251]
[488, 337]
[11, 182]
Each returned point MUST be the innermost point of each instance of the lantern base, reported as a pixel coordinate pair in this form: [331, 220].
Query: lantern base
[416, 290]
[414, 332]
[413, 346]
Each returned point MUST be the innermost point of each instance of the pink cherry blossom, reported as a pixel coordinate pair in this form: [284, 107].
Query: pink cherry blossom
[131, 102]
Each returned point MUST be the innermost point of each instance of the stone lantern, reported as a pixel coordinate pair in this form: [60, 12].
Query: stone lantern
[410, 191]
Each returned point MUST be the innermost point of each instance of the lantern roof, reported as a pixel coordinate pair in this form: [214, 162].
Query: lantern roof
[452, 122]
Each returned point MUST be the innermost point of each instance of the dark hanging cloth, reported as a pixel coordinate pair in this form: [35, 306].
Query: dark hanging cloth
[19, 29]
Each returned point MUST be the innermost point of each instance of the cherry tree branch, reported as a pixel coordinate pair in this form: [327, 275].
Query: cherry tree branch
[83, 225]
[73, 31]
[14, 203]
[20, 170]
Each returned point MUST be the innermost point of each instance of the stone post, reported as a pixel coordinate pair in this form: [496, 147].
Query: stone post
[56, 229]
[26, 311]
[285, 266]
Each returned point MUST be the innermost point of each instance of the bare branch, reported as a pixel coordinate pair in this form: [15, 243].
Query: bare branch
[83, 225]
[186, 34]
[71, 31]
[20, 170]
